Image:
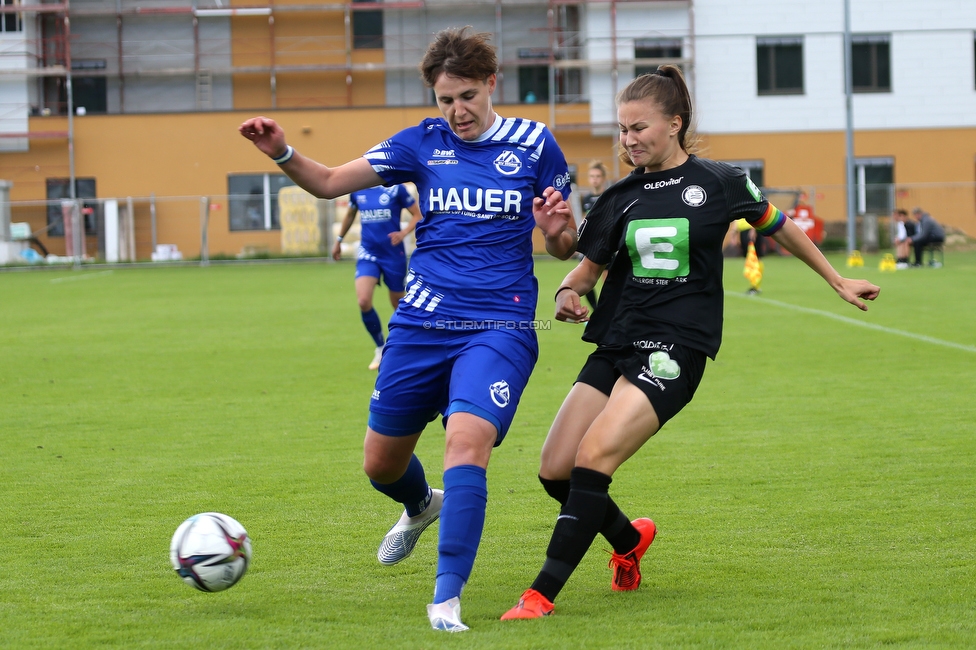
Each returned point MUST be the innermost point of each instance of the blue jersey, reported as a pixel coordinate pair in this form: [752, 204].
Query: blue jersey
[473, 261]
[379, 215]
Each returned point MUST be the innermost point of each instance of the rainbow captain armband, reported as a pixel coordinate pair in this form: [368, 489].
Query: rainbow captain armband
[770, 222]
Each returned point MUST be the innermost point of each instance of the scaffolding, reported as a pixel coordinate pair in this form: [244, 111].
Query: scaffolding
[254, 46]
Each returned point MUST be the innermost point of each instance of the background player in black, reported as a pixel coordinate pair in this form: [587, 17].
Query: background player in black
[659, 317]
[596, 174]
[597, 177]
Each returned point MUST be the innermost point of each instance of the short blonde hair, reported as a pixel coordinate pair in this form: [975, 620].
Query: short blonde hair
[598, 164]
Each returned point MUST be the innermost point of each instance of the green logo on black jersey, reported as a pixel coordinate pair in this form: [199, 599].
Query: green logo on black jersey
[659, 247]
[756, 194]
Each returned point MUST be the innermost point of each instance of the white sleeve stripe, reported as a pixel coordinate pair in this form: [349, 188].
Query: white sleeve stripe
[377, 155]
[504, 128]
[519, 132]
[539, 126]
[538, 152]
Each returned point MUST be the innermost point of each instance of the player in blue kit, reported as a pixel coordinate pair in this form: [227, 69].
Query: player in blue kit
[381, 251]
[462, 342]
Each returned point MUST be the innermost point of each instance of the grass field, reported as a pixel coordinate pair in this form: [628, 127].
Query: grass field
[818, 492]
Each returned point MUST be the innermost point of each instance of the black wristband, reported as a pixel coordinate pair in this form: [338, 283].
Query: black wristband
[562, 288]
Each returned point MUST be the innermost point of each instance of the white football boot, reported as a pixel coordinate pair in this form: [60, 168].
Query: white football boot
[402, 538]
[446, 616]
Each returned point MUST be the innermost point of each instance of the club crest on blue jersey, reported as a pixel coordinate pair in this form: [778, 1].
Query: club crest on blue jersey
[501, 394]
[508, 163]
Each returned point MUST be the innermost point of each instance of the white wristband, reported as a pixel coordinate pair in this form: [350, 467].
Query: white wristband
[285, 157]
[339, 239]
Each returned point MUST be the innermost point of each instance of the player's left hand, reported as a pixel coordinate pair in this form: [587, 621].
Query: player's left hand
[854, 291]
[396, 237]
[552, 213]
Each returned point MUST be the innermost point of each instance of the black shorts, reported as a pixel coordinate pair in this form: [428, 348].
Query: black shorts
[669, 374]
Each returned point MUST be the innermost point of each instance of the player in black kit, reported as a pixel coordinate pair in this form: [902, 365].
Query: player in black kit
[659, 317]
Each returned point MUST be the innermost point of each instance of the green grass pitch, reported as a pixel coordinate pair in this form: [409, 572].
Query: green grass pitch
[818, 492]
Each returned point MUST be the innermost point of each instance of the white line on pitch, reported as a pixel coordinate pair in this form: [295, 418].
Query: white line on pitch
[852, 321]
[82, 276]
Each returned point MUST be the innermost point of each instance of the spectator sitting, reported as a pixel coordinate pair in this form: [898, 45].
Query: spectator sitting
[929, 232]
[905, 230]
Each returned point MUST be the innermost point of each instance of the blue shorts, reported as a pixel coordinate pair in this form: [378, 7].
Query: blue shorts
[392, 270]
[430, 371]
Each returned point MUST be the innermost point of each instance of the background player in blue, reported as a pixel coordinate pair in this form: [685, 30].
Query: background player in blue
[462, 341]
[381, 251]
[659, 317]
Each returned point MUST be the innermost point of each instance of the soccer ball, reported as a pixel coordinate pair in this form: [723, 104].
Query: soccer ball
[210, 551]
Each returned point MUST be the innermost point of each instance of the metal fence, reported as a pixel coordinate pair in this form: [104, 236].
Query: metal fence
[204, 228]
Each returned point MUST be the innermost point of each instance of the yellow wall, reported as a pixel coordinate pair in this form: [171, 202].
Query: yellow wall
[816, 162]
[182, 157]
[316, 39]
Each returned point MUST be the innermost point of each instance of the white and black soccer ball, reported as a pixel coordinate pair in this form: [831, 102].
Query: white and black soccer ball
[210, 551]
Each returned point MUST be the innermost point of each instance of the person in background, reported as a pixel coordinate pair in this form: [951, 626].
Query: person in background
[929, 232]
[904, 231]
[749, 235]
[381, 251]
[462, 341]
[597, 175]
[660, 317]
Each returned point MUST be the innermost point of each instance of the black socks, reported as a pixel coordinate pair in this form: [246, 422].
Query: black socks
[580, 519]
[616, 527]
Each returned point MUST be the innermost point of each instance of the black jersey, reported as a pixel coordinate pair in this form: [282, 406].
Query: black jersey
[666, 230]
[588, 200]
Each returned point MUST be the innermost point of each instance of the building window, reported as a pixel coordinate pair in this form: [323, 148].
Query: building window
[875, 188]
[533, 74]
[253, 200]
[871, 63]
[754, 169]
[11, 22]
[89, 93]
[367, 28]
[779, 65]
[534, 84]
[58, 189]
[655, 48]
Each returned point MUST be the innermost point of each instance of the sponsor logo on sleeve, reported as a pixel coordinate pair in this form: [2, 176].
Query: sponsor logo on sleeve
[756, 194]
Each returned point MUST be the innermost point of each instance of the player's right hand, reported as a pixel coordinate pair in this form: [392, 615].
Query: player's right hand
[266, 135]
[337, 251]
[569, 309]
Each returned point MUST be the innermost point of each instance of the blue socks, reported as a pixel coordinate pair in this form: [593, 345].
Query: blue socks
[411, 489]
[373, 325]
[462, 522]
